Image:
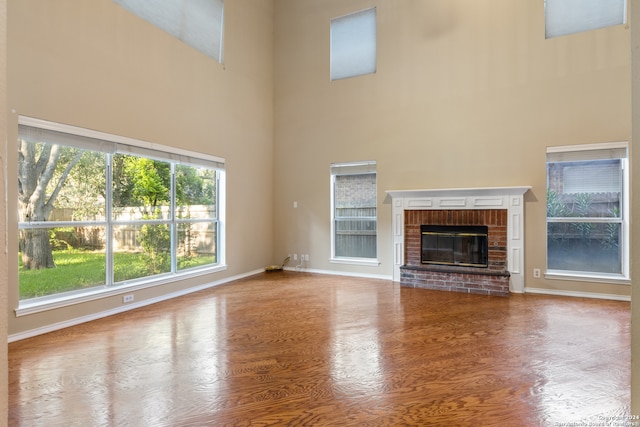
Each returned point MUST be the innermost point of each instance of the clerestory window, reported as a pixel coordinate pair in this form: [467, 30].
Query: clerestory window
[198, 23]
[564, 17]
[353, 45]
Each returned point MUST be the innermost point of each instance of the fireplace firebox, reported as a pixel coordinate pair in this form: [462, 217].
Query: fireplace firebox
[456, 245]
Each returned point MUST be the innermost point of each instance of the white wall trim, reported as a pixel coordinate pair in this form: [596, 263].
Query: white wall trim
[340, 273]
[94, 316]
[577, 294]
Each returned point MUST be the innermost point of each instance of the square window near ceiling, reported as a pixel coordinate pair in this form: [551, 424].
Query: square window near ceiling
[563, 17]
[198, 23]
[353, 45]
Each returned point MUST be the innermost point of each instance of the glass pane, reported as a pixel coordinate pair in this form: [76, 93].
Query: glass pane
[584, 246]
[586, 189]
[141, 188]
[195, 192]
[355, 195]
[353, 45]
[63, 259]
[79, 176]
[140, 250]
[197, 244]
[355, 238]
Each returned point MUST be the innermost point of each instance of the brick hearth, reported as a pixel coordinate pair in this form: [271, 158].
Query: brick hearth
[493, 280]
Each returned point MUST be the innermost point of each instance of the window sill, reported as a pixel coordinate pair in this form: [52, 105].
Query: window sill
[356, 261]
[614, 279]
[37, 305]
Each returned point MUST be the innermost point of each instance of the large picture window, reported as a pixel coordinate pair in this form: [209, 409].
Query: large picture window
[587, 210]
[354, 207]
[98, 211]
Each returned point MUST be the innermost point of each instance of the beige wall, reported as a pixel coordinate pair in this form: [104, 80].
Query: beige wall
[4, 285]
[466, 94]
[94, 65]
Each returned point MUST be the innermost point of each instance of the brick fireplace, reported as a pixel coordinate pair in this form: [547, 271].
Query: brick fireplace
[492, 280]
[500, 209]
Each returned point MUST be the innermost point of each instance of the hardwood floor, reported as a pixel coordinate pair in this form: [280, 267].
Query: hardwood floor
[296, 349]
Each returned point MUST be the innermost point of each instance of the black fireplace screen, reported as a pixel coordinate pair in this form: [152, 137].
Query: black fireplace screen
[455, 245]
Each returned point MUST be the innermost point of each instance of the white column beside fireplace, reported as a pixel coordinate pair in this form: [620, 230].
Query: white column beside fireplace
[509, 198]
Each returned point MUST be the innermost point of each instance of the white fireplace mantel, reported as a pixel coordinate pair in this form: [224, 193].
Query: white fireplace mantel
[509, 198]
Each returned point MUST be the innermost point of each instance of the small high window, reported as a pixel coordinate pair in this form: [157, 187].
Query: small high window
[563, 17]
[353, 45]
[197, 23]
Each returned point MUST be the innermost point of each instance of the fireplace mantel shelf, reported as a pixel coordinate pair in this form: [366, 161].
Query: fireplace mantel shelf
[461, 192]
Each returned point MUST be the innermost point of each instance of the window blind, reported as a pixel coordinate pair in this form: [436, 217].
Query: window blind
[563, 17]
[353, 168]
[199, 23]
[105, 143]
[577, 153]
[353, 44]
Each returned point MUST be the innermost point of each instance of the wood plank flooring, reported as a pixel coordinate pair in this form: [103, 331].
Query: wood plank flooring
[297, 349]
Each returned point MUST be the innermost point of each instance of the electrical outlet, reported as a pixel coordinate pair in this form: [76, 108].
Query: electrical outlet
[306, 257]
[295, 257]
[536, 273]
[127, 298]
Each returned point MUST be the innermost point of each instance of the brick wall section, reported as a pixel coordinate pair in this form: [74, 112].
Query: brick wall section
[494, 219]
[493, 280]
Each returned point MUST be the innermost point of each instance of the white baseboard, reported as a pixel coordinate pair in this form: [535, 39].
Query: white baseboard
[341, 273]
[83, 319]
[577, 294]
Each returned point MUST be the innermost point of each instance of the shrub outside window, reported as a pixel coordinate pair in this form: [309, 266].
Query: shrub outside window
[587, 231]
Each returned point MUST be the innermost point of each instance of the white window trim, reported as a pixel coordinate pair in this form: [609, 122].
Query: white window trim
[581, 276]
[50, 302]
[374, 262]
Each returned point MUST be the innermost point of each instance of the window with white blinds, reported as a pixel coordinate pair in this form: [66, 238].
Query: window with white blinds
[100, 212]
[353, 45]
[354, 211]
[563, 17]
[587, 210]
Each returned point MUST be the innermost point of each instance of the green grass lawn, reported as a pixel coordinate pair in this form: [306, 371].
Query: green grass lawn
[85, 269]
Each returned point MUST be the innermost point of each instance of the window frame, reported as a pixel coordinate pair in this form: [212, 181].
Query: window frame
[174, 156]
[623, 220]
[352, 168]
